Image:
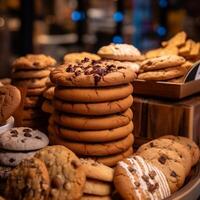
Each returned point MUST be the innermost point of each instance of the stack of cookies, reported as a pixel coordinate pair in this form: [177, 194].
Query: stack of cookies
[30, 74]
[92, 115]
[158, 169]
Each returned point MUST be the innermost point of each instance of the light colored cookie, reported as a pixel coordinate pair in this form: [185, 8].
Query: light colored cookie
[23, 139]
[93, 197]
[92, 95]
[195, 49]
[47, 107]
[103, 108]
[49, 93]
[79, 122]
[185, 50]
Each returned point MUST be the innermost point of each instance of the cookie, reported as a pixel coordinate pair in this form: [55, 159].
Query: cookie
[32, 102]
[93, 95]
[161, 62]
[49, 93]
[30, 74]
[35, 91]
[125, 52]
[30, 83]
[169, 162]
[189, 144]
[23, 139]
[95, 187]
[195, 49]
[29, 180]
[97, 149]
[185, 50]
[78, 57]
[163, 74]
[94, 136]
[5, 81]
[134, 178]
[47, 107]
[31, 61]
[104, 108]
[173, 146]
[79, 122]
[93, 197]
[31, 113]
[96, 170]
[67, 176]
[92, 74]
[12, 159]
[10, 99]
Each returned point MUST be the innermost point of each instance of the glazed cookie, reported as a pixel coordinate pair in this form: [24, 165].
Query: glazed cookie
[35, 91]
[32, 102]
[93, 197]
[23, 139]
[10, 99]
[31, 61]
[47, 106]
[162, 62]
[97, 149]
[91, 74]
[163, 74]
[169, 162]
[104, 108]
[173, 146]
[29, 180]
[124, 52]
[189, 144]
[93, 95]
[96, 187]
[79, 122]
[49, 93]
[135, 178]
[96, 170]
[67, 176]
[12, 159]
[94, 136]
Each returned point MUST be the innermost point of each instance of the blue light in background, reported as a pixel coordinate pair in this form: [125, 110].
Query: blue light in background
[118, 16]
[77, 15]
[161, 30]
[163, 3]
[117, 39]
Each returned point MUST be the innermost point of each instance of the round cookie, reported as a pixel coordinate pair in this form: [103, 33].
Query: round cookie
[134, 178]
[32, 102]
[104, 108]
[87, 74]
[173, 146]
[22, 74]
[47, 107]
[97, 149]
[96, 170]
[12, 159]
[67, 176]
[169, 163]
[35, 91]
[94, 136]
[79, 122]
[29, 180]
[189, 144]
[33, 61]
[93, 197]
[92, 95]
[31, 113]
[49, 93]
[96, 187]
[10, 98]
[23, 139]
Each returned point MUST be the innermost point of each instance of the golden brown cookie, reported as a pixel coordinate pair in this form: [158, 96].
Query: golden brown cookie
[35, 91]
[93, 197]
[185, 50]
[32, 102]
[49, 93]
[47, 107]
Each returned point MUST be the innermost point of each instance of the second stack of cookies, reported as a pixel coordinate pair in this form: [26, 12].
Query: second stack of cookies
[92, 115]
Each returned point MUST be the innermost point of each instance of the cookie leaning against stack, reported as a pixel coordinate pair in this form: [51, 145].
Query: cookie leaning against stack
[92, 115]
[30, 73]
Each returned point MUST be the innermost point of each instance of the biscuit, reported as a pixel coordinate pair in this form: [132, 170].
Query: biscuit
[96, 170]
[161, 62]
[23, 139]
[47, 107]
[169, 162]
[195, 49]
[123, 52]
[95, 187]
[49, 93]
[93, 197]
[135, 178]
[10, 98]
[189, 144]
[93, 95]
[87, 74]
[103, 108]
[29, 180]
[94, 136]
[173, 146]
[31, 61]
[32, 102]
[31, 113]
[35, 91]
[79, 122]
[97, 149]
[163, 74]
[185, 50]
[67, 176]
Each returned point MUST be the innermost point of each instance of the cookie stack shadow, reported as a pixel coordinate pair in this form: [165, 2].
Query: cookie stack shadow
[94, 121]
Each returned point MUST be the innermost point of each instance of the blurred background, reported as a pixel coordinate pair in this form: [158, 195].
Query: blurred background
[56, 27]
